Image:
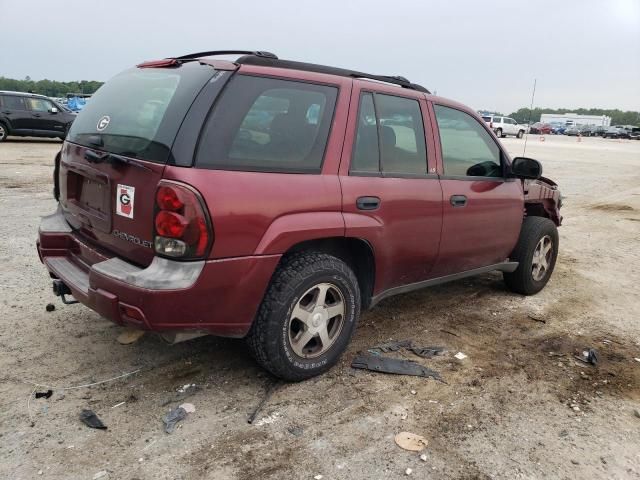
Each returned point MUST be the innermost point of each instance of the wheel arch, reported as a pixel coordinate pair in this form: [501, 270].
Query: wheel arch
[355, 252]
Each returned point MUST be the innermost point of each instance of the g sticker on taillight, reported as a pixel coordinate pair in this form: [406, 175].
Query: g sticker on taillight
[125, 200]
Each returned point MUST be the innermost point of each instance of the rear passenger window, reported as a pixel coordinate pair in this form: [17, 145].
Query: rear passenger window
[390, 136]
[467, 149]
[265, 124]
[366, 156]
[13, 103]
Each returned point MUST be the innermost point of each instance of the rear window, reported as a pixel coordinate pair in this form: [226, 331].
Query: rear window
[267, 124]
[13, 102]
[138, 112]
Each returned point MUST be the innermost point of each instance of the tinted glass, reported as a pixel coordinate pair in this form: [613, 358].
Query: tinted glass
[13, 103]
[39, 104]
[467, 148]
[266, 124]
[509, 121]
[402, 135]
[366, 155]
[144, 106]
[497, 119]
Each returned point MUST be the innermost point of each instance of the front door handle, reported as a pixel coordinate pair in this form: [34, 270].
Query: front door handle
[458, 200]
[368, 203]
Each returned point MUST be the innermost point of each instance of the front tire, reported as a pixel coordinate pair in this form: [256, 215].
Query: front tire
[307, 316]
[536, 252]
[520, 133]
[4, 132]
[499, 133]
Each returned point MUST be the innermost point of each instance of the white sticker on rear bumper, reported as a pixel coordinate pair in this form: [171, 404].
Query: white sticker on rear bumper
[124, 200]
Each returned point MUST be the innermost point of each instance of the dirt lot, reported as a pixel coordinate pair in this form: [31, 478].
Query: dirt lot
[520, 405]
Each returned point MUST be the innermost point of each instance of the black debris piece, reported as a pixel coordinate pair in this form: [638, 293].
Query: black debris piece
[46, 394]
[427, 352]
[273, 386]
[393, 346]
[50, 307]
[589, 356]
[396, 366]
[90, 419]
[172, 418]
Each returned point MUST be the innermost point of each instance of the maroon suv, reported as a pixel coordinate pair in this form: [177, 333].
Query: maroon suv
[274, 200]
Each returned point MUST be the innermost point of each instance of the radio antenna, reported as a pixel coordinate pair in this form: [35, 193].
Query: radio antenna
[530, 113]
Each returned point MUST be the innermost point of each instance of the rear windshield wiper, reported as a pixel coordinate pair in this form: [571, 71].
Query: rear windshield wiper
[113, 158]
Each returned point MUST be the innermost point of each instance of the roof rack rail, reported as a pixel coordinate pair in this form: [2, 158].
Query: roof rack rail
[266, 61]
[396, 80]
[211, 53]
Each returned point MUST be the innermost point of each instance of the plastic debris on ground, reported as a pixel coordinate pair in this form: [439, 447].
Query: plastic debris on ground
[90, 419]
[100, 474]
[589, 356]
[172, 418]
[411, 441]
[408, 471]
[46, 394]
[396, 366]
[188, 407]
[460, 356]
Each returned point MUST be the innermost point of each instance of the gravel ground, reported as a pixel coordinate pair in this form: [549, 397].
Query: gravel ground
[519, 406]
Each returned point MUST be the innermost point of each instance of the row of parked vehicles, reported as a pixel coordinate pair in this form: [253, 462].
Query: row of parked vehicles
[503, 126]
[618, 131]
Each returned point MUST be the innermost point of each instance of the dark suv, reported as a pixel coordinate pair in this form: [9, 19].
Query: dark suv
[274, 200]
[31, 115]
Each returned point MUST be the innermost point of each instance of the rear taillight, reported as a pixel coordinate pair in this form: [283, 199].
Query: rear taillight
[491, 125]
[182, 228]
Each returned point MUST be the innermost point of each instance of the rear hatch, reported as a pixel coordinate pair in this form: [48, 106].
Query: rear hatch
[115, 155]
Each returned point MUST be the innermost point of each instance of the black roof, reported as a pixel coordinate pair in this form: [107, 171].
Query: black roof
[268, 59]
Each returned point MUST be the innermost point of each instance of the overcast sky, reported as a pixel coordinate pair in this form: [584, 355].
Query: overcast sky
[482, 53]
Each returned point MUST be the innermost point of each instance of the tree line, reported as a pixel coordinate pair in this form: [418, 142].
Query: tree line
[618, 117]
[50, 88]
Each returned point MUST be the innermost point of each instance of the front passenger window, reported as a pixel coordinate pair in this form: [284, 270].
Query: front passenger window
[467, 149]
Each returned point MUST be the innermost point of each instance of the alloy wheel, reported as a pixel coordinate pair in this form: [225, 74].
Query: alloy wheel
[542, 256]
[317, 320]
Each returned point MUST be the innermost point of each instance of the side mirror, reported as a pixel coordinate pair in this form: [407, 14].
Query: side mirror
[53, 110]
[523, 167]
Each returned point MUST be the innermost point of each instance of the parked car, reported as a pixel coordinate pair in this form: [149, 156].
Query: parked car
[635, 133]
[616, 132]
[180, 212]
[575, 130]
[558, 128]
[503, 126]
[599, 131]
[540, 128]
[31, 115]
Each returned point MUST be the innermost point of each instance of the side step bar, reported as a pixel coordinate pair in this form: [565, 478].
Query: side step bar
[502, 267]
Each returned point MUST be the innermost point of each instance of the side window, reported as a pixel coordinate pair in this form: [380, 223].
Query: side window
[38, 104]
[14, 103]
[510, 121]
[366, 155]
[497, 119]
[467, 149]
[266, 124]
[390, 133]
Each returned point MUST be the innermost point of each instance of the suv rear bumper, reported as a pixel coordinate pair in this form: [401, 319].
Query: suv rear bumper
[220, 297]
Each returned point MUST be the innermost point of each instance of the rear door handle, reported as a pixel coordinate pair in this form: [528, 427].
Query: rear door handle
[368, 203]
[458, 200]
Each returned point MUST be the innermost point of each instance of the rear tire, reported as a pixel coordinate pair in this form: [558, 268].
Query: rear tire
[520, 133]
[536, 252]
[307, 316]
[4, 132]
